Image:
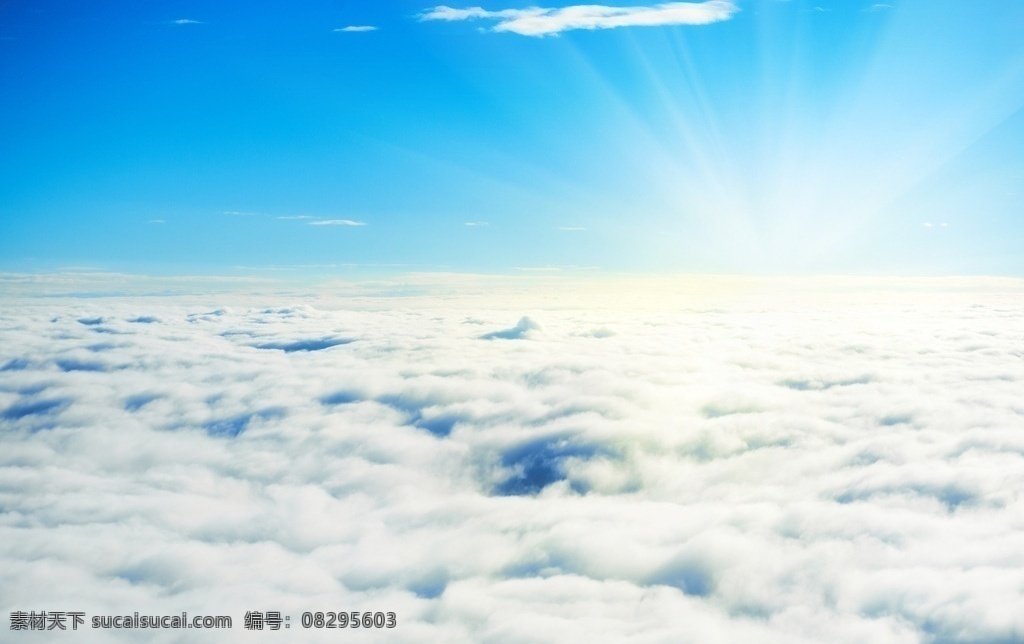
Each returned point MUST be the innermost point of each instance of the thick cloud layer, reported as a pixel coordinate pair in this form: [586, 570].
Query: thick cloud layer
[778, 469]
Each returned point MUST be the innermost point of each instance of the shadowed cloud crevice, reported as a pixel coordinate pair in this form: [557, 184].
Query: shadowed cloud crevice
[439, 425]
[309, 344]
[72, 364]
[690, 574]
[811, 384]
[16, 364]
[24, 408]
[138, 401]
[539, 463]
[233, 426]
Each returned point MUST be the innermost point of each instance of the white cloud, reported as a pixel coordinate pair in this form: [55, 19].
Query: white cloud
[476, 223]
[336, 222]
[537, 21]
[805, 462]
[186, 21]
[292, 217]
[356, 29]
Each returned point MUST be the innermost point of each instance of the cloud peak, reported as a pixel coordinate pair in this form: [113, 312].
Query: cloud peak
[539, 21]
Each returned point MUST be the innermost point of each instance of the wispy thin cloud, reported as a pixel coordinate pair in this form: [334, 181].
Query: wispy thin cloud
[186, 21]
[539, 21]
[355, 29]
[157, 221]
[337, 222]
[474, 224]
[880, 6]
[296, 217]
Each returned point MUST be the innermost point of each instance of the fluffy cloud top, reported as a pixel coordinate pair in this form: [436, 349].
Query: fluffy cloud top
[538, 21]
[840, 469]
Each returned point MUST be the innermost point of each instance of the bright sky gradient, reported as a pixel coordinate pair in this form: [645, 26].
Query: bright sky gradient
[752, 136]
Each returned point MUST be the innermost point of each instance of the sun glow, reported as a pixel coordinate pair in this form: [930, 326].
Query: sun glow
[795, 170]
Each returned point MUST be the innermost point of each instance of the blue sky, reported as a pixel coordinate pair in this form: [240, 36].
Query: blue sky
[750, 136]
